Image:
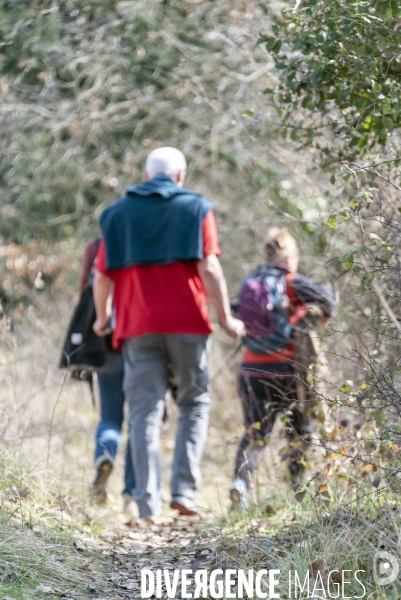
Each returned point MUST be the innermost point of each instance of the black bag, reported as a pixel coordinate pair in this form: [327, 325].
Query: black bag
[83, 350]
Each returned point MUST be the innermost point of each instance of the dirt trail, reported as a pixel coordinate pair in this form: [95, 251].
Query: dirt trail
[114, 559]
[48, 430]
[116, 556]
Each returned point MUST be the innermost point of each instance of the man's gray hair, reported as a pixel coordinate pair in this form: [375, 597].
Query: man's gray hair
[167, 160]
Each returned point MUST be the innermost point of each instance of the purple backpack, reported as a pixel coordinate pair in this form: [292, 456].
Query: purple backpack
[263, 307]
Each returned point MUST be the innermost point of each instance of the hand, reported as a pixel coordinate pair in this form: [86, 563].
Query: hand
[102, 326]
[234, 327]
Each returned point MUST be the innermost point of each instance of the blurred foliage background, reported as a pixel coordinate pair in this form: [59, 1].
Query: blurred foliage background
[89, 88]
[288, 114]
[337, 96]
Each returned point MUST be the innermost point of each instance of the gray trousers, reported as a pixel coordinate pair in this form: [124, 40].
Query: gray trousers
[145, 382]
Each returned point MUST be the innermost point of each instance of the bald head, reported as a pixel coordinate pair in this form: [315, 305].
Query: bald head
[167, 160]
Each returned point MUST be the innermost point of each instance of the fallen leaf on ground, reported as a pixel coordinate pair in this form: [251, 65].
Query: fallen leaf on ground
[232, 550]
[78, 545]
[43, 589]
[336, 576]
[315, 566]
[130, 584]
[197, 562]
[15, 494]
[269, 510]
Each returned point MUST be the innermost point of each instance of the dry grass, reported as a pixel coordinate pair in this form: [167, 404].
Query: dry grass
[35, 557]
[47, 427]
[315, 537]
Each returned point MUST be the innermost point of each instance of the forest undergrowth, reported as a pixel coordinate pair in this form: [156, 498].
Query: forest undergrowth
[56, 544]
[88, 89]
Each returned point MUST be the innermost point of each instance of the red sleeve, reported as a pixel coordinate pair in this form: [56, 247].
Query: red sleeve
[210, 237]
[100, 264]
[87, 262]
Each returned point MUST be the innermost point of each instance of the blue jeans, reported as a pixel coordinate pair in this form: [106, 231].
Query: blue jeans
[108, 433]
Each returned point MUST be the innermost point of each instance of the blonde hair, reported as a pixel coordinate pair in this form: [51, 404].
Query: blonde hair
[280, 246]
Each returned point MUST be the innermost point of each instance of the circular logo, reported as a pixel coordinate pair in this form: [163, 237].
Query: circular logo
[385, 568]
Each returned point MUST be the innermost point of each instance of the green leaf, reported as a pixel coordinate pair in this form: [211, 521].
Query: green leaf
[331, 221]
[363, 140]
[269, 43]
[388, 108]
[277, 46]
[388, 123]
[348, 260]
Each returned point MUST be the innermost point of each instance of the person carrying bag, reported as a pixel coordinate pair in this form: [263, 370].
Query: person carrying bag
[87, 355]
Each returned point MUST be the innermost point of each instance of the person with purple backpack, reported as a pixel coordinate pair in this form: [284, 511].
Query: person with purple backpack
[272, 302]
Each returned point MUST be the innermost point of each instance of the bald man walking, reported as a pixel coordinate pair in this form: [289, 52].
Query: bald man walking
[159, 259]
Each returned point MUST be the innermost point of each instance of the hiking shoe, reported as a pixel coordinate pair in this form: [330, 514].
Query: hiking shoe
[295, 464]
[98, 491]
[239, 493]
[184, 511]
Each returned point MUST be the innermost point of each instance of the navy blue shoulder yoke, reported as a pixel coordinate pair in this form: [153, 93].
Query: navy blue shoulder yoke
[155, 223]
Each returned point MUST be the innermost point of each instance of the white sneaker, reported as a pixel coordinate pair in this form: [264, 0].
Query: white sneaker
[239, 493]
